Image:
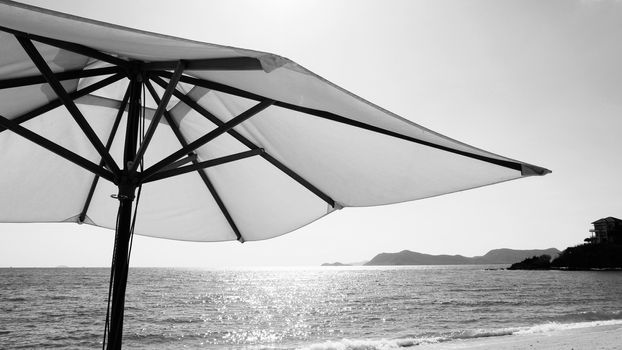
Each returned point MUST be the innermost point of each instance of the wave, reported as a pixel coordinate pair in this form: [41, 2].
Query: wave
[555, 326]
[15, 299]
[379, 344]
[388, 344]
[535, 329]
[585, 316]
[63, 297]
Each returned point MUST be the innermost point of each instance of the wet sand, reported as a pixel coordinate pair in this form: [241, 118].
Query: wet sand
[606, 337]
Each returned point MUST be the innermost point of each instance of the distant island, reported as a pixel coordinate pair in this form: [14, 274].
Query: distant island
[495, 256]
[358, 263]
[335, 264]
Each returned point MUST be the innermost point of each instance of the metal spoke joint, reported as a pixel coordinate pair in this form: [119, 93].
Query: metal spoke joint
[127, 184]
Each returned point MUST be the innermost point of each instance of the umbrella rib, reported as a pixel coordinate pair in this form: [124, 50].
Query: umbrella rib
[57, 102]
[207, 137]
[67, 75]
[76, 48]
[192, 157]
[340, 119]
[113, 132]
[182, 140]
[220, 64]
[38, 60]
[179, 69]
[55, 148]
[202, 165]
[293, 175]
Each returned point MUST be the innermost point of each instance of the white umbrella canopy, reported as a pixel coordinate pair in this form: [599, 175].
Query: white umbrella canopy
[224, 143]
[323, 148]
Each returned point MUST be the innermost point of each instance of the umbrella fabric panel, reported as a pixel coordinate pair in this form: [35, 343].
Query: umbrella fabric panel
[178, 208]
[108, 37]
[20, 100]
[114, 91]
[263, 201]
[193, 125]
[15, 63]
[295, 85]
[38, 186]
[26, 196]
[357, 167]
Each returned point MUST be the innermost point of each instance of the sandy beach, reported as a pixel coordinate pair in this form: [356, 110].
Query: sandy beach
[603, 337]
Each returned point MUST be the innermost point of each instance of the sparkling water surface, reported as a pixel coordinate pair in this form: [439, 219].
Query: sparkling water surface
[288, 308]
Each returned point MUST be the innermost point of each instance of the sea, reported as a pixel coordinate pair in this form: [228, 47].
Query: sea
[316, 308]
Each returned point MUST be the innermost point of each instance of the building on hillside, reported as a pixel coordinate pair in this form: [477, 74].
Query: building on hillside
[606, 230]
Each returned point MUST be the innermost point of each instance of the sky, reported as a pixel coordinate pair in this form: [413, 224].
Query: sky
[537, 81]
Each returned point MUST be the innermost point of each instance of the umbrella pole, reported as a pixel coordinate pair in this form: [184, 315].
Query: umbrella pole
[121, 265]
[127, 187]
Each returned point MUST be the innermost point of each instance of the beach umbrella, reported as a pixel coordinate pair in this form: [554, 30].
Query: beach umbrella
[165, 137]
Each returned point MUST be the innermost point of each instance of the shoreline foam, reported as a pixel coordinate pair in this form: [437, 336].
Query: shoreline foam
[602, 335]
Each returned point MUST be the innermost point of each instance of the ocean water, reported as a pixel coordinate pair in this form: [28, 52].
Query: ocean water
[300, 308]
